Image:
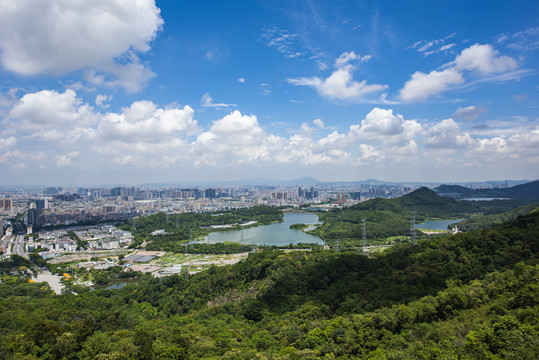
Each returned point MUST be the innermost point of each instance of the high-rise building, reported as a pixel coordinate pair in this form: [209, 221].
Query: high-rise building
[355, 195]
[33, 217]
[280, 195]
[341, 198]
[42, 204]
[5, 204]
[308, 194]
[210, 193]
[187, 193]
[109, 208]
[146, 195]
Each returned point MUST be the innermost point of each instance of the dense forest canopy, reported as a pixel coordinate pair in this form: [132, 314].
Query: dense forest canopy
[478, 221]
[470, 295]
[389, 217]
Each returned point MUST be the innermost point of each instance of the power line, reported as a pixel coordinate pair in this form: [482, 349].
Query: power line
[190, 241]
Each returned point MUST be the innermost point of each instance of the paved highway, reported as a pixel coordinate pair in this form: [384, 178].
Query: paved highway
[8, 246]
[14, 245]
[19, 246]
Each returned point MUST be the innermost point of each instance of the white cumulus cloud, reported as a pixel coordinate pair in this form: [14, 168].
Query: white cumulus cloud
[340, 85]
[144, 121]
[236, 128]
[66, 160]
[484, 59]
[346, 57]
[422, 85]
[7, 143]
[470, 113]
[478, 60]
[53, 116]
[50, 108]
[319, 123]
[102, 100]
[207, 101]
[61, 36]
[383, 125]
[492, 146]
[528, 140]
[447, 135]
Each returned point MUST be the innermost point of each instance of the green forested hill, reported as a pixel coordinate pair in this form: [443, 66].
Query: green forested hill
[528, 191]
[427, 203]
[423, 200]
[478, 222]
[525, 191]
[388, 217]
[472, 295]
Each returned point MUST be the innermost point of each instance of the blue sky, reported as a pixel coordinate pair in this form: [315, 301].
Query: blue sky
[124, 91]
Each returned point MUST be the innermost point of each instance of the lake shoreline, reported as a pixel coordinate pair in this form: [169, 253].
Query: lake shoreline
[276, 234]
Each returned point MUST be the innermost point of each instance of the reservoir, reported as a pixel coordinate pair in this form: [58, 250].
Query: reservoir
[437, 224]
[278, 234]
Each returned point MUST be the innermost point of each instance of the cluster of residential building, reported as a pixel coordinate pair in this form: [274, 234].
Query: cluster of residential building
[54, 208]
[104, 237]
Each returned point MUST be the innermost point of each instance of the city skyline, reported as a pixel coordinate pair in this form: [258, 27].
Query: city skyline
[134, 92]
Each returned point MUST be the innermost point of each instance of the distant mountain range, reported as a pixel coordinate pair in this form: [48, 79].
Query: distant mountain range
[306, 180]
[310, 181]
[302, 181]
[524, 191]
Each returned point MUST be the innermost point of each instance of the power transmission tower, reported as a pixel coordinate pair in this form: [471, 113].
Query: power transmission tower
[337, 248]
[414, 233]
[134, 224]
[190, 241]
[177, 221]
[186, 272]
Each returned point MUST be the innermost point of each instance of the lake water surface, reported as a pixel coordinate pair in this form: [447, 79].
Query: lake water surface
[437, 224]
[278, 234]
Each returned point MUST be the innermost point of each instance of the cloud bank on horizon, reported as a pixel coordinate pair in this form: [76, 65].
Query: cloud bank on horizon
[118, 91]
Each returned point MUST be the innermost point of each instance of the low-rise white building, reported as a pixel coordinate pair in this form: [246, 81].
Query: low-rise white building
[112, 244]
